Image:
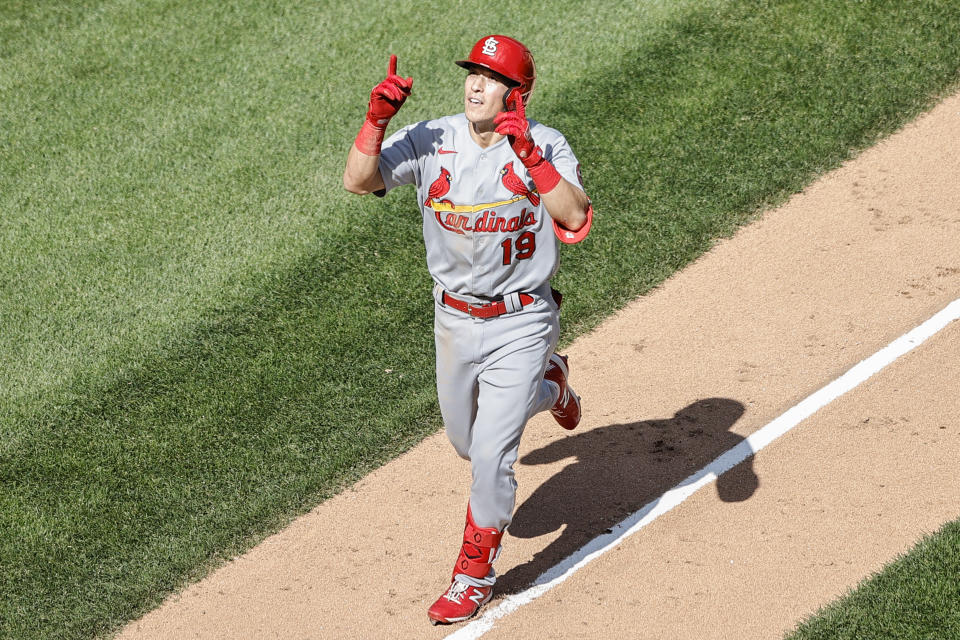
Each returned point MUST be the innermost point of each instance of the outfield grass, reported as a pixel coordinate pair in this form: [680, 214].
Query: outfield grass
[914, 598]
[202, 334]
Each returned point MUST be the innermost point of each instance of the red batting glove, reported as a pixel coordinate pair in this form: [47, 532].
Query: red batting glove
[513, 123]
[385, 101]
[388, 96]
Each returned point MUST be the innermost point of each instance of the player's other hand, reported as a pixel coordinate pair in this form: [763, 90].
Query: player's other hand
[388, 96]
[513, 124]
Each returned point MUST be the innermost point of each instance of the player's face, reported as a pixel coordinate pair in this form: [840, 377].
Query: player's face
[483, 95]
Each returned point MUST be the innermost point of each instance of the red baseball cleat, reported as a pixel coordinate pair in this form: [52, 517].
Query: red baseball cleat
[566, 411]
[477, 553]
[459, 603]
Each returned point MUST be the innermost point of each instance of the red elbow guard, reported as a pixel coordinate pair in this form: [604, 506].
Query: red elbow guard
[572, 237]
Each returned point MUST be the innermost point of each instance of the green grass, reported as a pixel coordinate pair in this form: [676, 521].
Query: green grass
[913, 598]
[202, 334]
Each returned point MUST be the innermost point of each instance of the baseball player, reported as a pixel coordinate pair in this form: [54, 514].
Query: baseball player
[496, 192]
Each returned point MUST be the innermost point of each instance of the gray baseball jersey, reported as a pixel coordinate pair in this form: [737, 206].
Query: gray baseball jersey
[485, 230]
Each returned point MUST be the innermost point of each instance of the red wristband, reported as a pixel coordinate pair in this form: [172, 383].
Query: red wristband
[369, 139]
[544, 175]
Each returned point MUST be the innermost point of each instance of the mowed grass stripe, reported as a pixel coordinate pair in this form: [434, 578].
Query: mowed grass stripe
[130, 477]
[155, 161]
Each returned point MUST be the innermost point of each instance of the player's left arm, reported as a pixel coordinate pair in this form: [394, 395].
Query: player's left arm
[566, 203]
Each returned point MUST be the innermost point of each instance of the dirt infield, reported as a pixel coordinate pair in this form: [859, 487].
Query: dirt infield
[677, 378]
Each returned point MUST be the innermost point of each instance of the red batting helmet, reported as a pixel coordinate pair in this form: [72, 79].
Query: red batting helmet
[505, 56]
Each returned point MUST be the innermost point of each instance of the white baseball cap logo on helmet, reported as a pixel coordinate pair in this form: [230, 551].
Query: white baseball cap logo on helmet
[490, 46]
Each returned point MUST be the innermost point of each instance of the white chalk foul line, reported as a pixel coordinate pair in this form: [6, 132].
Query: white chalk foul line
[726, 461]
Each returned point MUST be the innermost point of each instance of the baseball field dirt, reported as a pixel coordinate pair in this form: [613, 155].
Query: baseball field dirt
[681, 375]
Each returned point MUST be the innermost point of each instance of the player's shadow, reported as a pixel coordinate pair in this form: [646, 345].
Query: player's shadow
[618, 469]
[431, 139]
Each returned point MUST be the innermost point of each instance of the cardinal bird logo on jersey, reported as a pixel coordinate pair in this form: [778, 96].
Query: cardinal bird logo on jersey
[516, 186]
[439, 188]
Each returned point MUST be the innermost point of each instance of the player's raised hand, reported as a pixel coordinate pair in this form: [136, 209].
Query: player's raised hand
[388, 96]
[513, 124]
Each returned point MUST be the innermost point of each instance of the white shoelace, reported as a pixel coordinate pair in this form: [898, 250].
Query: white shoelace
[456, 592]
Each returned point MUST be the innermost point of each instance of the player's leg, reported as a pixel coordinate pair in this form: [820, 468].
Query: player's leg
[456, 338]
[565, 408]
[511, 390]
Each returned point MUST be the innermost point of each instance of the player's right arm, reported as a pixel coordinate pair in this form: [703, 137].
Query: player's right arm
[362, 173]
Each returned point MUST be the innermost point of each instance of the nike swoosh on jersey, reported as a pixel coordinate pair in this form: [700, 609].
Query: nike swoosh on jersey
[441, 150]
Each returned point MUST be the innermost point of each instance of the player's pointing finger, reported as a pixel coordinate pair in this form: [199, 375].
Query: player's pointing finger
[521, 108]
[392, 67]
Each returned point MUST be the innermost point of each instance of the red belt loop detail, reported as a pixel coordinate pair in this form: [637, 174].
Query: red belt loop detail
[486, 310]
